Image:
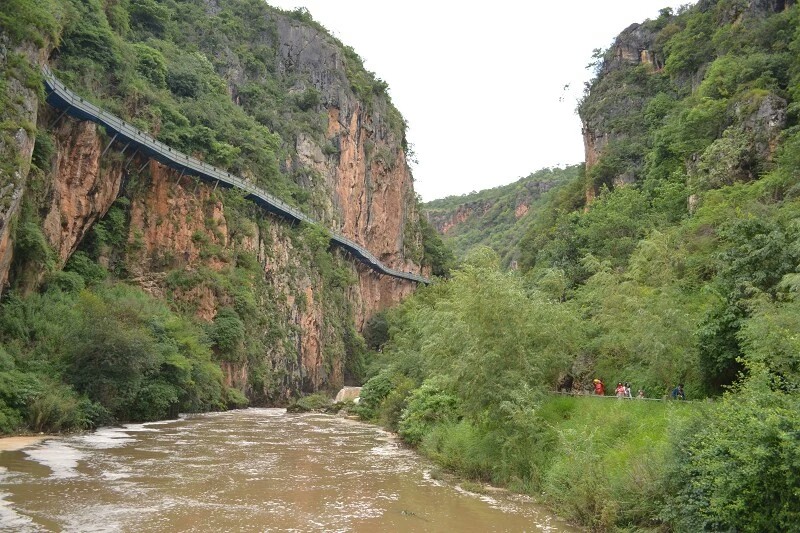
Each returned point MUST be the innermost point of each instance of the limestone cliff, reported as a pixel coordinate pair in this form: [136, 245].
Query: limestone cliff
[340, 150]
[654, 66]
[357, 170]
[602, 110]
[82, 188]
[18, 115]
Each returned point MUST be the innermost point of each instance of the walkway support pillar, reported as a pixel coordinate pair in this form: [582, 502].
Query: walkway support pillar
[128, 162]
[114, 138]
[59, 117]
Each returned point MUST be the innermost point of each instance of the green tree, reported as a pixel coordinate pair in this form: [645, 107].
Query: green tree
[228, 334]
[110, 352]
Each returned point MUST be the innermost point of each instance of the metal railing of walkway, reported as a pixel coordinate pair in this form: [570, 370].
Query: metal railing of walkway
[588, 393]
[60, 97]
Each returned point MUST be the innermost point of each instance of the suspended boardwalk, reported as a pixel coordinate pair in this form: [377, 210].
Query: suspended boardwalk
[60, 97]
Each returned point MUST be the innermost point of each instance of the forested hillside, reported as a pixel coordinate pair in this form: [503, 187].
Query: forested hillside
[673, 258]
[497, 217]
[132, 291]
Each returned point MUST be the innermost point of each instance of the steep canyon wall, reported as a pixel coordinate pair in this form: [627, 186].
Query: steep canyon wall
[197, 248]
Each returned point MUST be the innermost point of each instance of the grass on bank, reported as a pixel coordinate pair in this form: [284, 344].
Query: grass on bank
[598, 462]
[610, 457]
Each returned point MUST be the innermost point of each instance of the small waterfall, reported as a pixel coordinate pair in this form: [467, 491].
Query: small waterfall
[348, 393]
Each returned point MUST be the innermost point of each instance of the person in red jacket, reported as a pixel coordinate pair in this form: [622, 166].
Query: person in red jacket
[599, 389]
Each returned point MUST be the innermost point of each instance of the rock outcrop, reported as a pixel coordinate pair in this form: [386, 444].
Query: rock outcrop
[348, 393]
[616, 119]
[609, 103]
[19, 106]
[82, 188]
[634, 46]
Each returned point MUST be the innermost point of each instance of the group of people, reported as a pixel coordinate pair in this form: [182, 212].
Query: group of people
[623, 390]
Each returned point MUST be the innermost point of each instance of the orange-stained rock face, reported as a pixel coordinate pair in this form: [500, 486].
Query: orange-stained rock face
[233, 375]
[370, 191]
[310, 321]
[592, 148]
[445, 222]
[173, 220]
[176, 220]
[82, 188]
[375, 293]
[371, 202]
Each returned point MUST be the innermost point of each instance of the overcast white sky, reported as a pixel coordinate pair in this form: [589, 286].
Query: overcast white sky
[481, 84]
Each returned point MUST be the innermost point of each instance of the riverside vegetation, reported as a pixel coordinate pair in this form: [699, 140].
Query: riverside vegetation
[674, 258]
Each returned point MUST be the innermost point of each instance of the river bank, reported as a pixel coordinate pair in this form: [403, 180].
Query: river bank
[10, 444]
[592, 462]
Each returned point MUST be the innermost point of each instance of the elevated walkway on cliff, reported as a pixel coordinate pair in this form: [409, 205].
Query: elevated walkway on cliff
[60, 97]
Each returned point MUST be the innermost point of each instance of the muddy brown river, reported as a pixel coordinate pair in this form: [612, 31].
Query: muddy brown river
[249, 470]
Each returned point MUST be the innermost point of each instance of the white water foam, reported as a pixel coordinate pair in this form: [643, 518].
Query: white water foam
[106, 438]
[142, 428]
[114, 476]
[60, 458]
[10, 520]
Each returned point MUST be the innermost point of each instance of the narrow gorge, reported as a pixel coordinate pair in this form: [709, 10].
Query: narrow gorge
[271, 97]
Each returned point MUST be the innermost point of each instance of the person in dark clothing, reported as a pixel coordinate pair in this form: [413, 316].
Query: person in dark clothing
[677, 392]
[565, 384]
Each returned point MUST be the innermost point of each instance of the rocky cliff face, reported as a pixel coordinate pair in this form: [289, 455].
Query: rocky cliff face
[204, 251]
[446, 222]
[357, 170]
[18, 107]
[619, 110]
[634, 47]
[82, 188]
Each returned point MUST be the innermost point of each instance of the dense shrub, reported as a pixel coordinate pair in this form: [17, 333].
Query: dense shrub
[739, 467]
[429, 405]
[77, 358]
[227, 334]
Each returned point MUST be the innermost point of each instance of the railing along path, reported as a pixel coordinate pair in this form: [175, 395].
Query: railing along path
[59, 96]
[589, 393]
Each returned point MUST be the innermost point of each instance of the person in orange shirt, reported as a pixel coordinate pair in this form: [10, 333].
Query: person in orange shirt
[599, 389]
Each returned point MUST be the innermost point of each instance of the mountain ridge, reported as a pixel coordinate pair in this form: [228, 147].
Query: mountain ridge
[496, 217]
